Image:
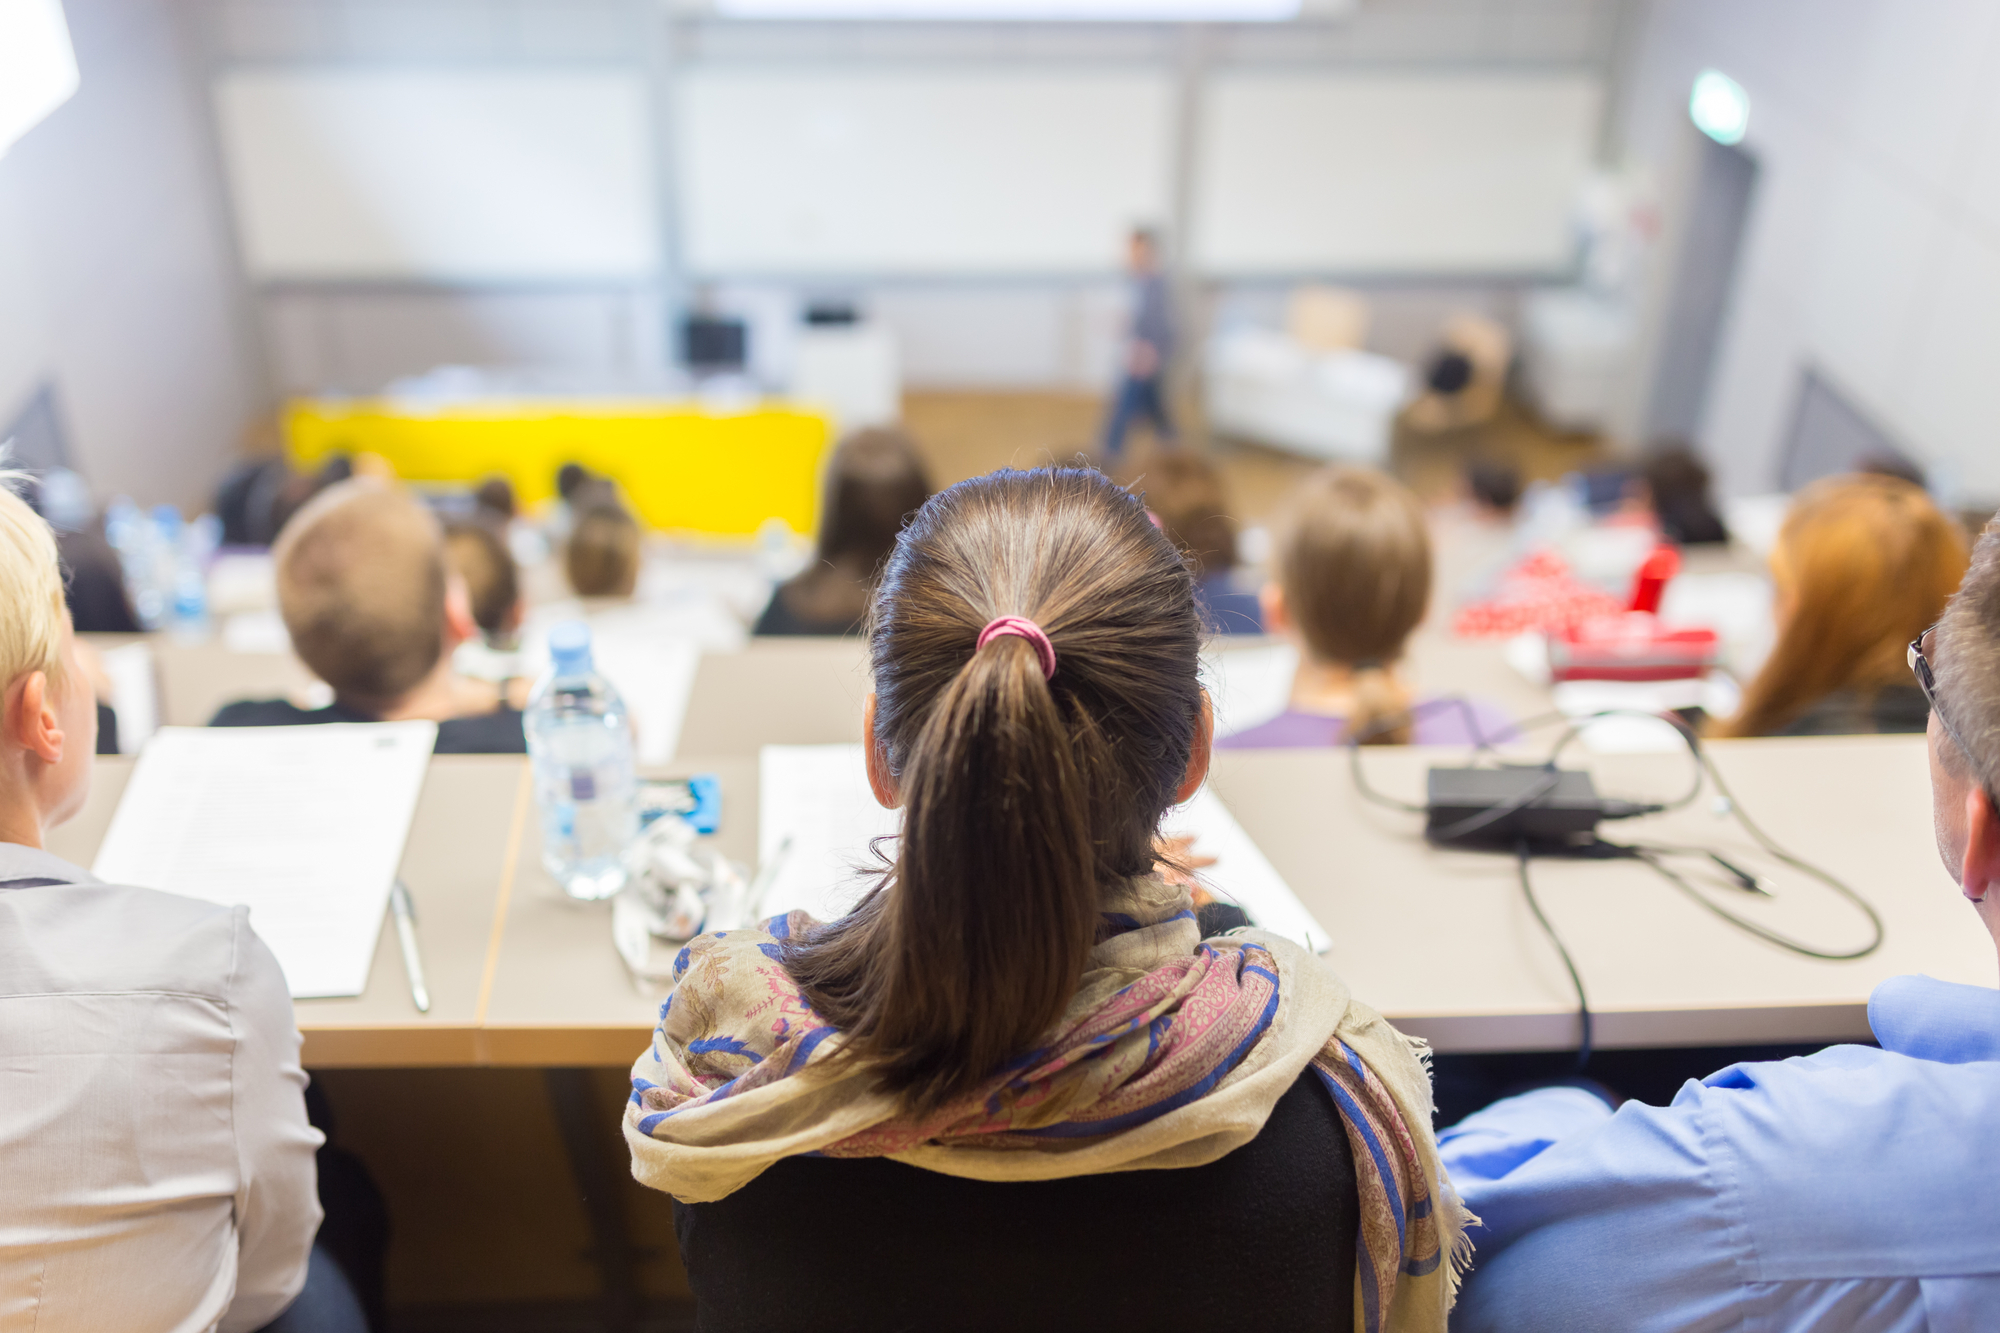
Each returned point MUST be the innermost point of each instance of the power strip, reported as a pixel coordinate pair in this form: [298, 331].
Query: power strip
[1483, 806]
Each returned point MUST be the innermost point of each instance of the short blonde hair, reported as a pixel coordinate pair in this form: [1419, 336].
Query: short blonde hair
[361, 585]
[32, 610]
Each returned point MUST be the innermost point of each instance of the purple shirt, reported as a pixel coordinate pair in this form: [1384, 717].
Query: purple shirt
[1441, 721]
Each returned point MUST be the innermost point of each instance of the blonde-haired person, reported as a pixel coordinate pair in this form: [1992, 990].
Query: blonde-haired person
[374, 609]
[1019, 1077]
[1351, 582]
[157, 1160]
[1863, 563]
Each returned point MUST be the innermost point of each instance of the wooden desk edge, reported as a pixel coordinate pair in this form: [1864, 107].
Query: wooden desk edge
[562, 1044]
[382, 1047]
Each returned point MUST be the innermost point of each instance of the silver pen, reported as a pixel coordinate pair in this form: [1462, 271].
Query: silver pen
[406, 935]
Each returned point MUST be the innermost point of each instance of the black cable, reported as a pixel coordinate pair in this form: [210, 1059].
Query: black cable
[1522, 855]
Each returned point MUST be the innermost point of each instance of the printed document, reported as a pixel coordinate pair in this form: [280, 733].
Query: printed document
[303, 825]
[816, 817]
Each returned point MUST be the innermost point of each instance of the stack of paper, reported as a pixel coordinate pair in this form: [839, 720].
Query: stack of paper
[303, 825]
[816, 816]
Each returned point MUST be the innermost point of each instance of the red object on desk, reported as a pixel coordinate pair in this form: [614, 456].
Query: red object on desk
[1631, 645]
[1649, 585]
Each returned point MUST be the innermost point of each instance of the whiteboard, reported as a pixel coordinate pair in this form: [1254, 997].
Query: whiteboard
[440, 174]
[790, 171]
[1399, 173]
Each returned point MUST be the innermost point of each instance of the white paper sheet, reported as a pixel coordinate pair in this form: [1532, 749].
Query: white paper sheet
[816, 816]
[303, 825]
[135, 693]
[1249, 685]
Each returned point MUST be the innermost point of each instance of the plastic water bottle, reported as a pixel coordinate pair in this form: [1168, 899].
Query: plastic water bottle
[581, 743]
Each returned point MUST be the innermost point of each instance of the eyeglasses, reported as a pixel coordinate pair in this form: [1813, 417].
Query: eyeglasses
[1920, 667]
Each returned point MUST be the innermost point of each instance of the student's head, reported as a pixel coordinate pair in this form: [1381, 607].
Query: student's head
[601, 556]
[1027, 796]
[1495, 487]
[1861, 566]
[1964, 655]
[366, 595]
[568, 477]
[874, 481]
[1187, 493]
[1142, 249]
[495, 496]
[476, 554]
[1677, 485]
[50, 715]
[1352, 581]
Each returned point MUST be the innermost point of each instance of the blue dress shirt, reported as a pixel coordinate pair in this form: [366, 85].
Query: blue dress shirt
[1854, 1189]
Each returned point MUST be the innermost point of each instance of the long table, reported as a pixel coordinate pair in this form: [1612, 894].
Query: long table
[1441, 941]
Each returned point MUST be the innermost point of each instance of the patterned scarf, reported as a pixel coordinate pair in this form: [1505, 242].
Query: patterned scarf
[1172, 1053]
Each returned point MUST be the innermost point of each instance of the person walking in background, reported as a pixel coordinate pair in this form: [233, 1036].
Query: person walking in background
[1148, 348]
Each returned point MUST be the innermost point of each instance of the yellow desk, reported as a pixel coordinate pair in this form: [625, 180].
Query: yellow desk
[685, 468]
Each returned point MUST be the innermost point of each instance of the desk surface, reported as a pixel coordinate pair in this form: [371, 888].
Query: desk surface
[1441, 941]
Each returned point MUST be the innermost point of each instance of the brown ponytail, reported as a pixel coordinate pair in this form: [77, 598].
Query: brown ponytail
[1024, 796]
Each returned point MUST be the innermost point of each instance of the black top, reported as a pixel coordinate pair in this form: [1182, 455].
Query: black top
[1889, 709]
[498, 732]
[780, 619]
[1265, 1234]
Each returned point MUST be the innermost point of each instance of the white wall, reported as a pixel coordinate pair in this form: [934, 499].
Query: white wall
[1874, 243]
[1032, 331]
[117, 279]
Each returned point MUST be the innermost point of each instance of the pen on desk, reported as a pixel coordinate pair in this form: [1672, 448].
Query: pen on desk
[406, 934]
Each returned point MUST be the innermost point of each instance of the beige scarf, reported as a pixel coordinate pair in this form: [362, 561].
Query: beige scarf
[1172, 1054]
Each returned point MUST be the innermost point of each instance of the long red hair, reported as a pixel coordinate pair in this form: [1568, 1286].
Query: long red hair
[1863, 564]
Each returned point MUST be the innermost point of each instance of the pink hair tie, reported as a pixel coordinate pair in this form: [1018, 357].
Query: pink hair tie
[1026, 629]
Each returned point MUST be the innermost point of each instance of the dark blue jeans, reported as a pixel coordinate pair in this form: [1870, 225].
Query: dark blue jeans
[327, 1304]
[1138, 399]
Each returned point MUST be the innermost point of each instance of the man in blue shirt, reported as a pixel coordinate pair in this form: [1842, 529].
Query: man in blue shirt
[1147, 350]
[1855, 1189]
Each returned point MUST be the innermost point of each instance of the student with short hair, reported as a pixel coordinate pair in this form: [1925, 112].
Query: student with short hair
[874, 482]
[601, 556]
[477, 555]
[156, 1165]
[374, 611]
[1185, 491]
[1016, 1086]
[1851, 1189]
[1862, 564]
[1351, 582]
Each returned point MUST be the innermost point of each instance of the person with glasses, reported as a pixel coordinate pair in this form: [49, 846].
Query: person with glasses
[1851, 1189]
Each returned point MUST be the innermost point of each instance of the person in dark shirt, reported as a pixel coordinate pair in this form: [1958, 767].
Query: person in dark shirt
[374, 612]
[1149, 350]
[874, 482]
[1022, 1072]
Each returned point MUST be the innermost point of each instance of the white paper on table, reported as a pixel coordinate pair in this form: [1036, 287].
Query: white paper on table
[303, 825]
[1248, 686]
[135, 693]
[814, 803]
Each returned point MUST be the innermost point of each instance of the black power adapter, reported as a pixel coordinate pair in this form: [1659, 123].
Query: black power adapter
[1539, 803]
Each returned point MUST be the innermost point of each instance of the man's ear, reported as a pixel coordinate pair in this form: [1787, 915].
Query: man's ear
[1271, 601]
[880, 780]
[32, 723]
[459, 626]
[1981, 872]
[1198, 757]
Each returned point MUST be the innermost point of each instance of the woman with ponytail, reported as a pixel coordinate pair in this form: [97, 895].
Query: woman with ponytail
[1015, 1086]
[1351, 582]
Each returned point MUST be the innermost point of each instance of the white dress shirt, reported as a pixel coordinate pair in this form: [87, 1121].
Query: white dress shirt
[156, 1165]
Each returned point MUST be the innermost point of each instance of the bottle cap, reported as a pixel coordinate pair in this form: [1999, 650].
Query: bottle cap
[569, 647]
